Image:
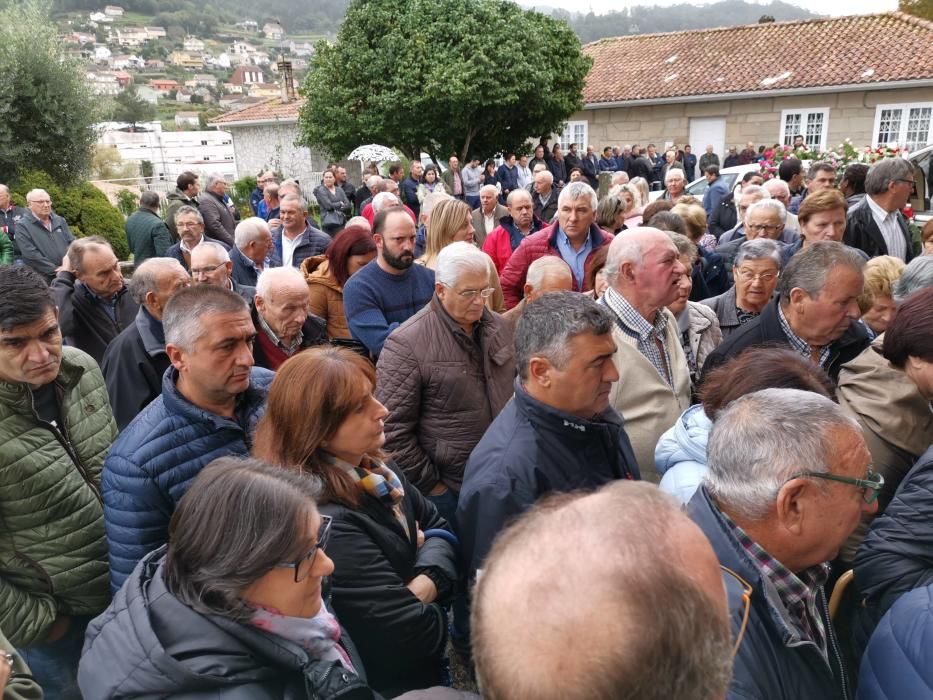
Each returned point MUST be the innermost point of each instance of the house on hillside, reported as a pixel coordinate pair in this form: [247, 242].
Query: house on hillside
[264, 136]
[246, 75]
[183, 119]
[155, 32]
[113, 11]
[868, 78]
[103, 83]
[263, 90]
[102, 54]
[273, 30]
[193, 44]
[123, 78]
[130, 36]
[186, 60]
[248, 25]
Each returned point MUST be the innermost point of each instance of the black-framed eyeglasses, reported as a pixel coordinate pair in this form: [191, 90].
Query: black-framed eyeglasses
[746, 602]
[871, 485]
[323, 534]
[206, 270]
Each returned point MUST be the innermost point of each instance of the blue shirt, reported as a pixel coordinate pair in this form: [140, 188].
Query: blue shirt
[575, 258]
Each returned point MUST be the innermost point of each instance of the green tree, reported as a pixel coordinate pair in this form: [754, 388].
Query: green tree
[917, 8]
[443, 76]
[129, 107]
[47, 112]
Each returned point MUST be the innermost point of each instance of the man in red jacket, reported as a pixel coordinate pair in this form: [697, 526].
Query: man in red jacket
[574, 238]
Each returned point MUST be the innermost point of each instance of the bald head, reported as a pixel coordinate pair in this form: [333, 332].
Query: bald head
[155, 281]
[648, 600]
[547, 274]
[210, 264]
[282, 301]
[643, 266]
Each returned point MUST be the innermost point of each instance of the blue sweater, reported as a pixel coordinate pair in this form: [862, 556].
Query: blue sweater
[377, 302]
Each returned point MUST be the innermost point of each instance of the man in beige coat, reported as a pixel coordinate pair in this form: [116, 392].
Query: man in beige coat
[643, 269]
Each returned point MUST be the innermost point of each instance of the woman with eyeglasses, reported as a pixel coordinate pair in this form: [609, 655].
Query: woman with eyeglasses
[232, 607]
[680, 456]
[393, 553]
[755, 271]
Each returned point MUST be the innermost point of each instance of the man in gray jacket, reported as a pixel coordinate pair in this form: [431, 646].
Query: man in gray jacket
[218, 219]
[42, 237]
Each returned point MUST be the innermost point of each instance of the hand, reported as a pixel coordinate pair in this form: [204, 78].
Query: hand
[423, 588]
[420, 538]
[6, 670]
[65, 266]
[274, 223]
[59, 628]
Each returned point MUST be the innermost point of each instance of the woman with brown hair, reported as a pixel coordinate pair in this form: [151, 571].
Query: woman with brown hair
[323, 419]
[326, 274]
[681, 452]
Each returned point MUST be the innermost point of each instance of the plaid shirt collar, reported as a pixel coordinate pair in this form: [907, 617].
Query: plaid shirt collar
[289, 349]
[637, 326]
[801, 346]
[798, 592]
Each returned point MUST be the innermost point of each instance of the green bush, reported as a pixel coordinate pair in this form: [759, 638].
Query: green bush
[127, 202]
[240, 193]
[86, 209]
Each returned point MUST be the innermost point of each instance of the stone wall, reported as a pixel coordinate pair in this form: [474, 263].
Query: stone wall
[272, 147]
[851, 115]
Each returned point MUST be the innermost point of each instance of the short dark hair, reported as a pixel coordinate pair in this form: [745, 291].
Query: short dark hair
[239, 519]
[395, 168]
[760, 368]
[855, 175]
[149, 200]
[379, 223]
[575, 170]
[655, 207]
[353, 240]
[788, 168]
[908, 335]
[186, 179]
[820, 166]
[25, 296]
[749, 175]
[712, 169]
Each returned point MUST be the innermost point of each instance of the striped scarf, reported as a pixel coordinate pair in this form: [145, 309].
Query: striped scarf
[376, 479]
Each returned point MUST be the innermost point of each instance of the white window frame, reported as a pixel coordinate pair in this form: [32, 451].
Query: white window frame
[565, 137]
[905, 108]
[803, 113]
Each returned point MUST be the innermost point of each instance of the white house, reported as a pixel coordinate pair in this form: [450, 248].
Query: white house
[183, 119]
[248, 25]
[113, 11]
[96, 18]
[103, 83]
[102, 53]
[273, 30]
[193, 44]
[155, 32]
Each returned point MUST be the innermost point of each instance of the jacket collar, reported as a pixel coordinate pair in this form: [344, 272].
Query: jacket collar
[69, 374]
[596, 234]
[176, 404]
[151, 332]
[568, 426]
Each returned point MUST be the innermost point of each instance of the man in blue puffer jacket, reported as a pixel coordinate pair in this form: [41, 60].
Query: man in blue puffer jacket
[212, 398]
[898, 662]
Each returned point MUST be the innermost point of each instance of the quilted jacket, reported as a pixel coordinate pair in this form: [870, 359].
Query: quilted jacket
[53, 556]
[156, 458]
[442, 390]
[325, 295]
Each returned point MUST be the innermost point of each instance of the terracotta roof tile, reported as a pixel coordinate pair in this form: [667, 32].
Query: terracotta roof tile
[272, 109]
[853, 50]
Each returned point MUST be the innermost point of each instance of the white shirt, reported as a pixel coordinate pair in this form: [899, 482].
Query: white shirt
[890, 229]
[525, 177]
[489, 222]
[288, 248]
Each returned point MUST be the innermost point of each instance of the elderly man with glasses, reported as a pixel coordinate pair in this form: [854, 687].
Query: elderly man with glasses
[876, 225]
[444, 375]
[789, 480]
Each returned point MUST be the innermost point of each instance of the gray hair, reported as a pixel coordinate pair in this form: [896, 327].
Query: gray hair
[575, 191]
[302, 204]
[215, 248]
[917, 275]
[886, 171]
[385, 199]
[488, 188]
[149, 200]
[272, 277]
[292, 183]
[776, 183]
[759, 249]
[212, 180]
[544, 266]
[685, 247]
[820, 166]
[676, 172]
[809, 267]
[547, 326]
[187, 209]
[373, 181]
[761, 440]
[546, 175]
[184, 313]
[148, 277]
[249, 230]
[31, 194]
[755, 190]
[457, 258]
[766, 205]
[431, 201]
[80, 246]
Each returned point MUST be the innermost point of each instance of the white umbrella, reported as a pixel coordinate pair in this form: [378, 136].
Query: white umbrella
[373, 153]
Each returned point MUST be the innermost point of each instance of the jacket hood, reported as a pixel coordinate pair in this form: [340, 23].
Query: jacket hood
[316, 270]
[150, 643]
[686, 440]
[178, 196]
[886, 400]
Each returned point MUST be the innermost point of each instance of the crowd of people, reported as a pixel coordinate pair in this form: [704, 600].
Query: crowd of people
[591, 448]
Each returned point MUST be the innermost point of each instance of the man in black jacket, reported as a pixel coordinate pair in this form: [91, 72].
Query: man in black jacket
[815, 312]
[280, 314]
[876, 225]
[93, 304]
[136, 360]
[219, 221]
[558, 433]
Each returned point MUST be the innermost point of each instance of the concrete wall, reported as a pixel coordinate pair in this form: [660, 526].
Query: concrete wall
[852, 115]
[272, 147]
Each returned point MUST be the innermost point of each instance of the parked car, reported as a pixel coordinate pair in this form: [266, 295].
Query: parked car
[698, 187]
[921, 201]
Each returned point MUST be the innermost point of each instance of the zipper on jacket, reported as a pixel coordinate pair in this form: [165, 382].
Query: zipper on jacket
[69, 449]
[831, 641]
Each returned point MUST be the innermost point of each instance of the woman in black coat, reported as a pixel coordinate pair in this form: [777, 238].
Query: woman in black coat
[233, 608]
[335, 207]
[391, 570]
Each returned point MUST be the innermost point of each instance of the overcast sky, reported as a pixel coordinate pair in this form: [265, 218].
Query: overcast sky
[832, 7]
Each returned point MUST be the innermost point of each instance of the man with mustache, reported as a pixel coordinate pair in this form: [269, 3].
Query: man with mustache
[390, 289]
[212, 397]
